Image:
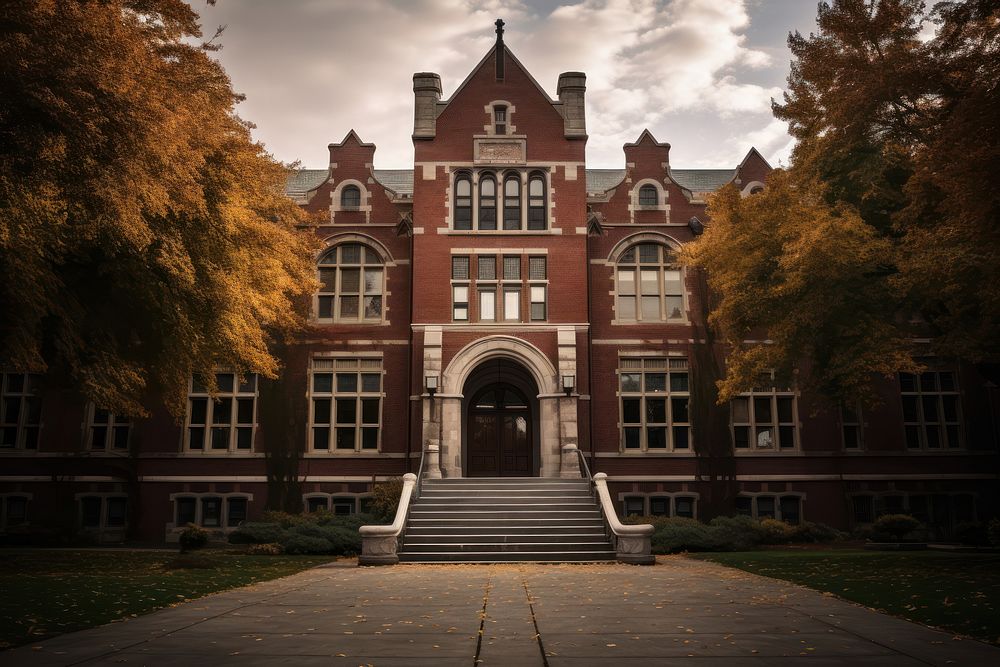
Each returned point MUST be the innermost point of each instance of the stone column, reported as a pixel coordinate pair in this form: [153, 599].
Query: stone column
[432, 406]
[569, 465]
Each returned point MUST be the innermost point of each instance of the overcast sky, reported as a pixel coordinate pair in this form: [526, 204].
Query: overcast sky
[698, 73]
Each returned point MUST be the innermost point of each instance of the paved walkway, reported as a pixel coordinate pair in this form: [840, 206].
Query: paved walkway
[522, 615]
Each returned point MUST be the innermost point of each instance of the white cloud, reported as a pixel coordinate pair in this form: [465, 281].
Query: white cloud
[313, 70]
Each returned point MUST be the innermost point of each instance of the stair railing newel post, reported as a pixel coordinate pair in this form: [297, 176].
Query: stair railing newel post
[632, 542]
[380, 544]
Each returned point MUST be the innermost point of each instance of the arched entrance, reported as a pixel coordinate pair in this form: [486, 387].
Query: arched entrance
[500, 414]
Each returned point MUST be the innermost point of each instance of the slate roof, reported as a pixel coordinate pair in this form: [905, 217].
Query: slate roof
[304, 180]
[702, 180]
[400, 181]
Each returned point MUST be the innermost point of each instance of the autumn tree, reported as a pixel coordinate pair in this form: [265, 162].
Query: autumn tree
[885, 226]
[144, 235]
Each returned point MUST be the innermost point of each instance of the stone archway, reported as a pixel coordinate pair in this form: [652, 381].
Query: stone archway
[445, 414]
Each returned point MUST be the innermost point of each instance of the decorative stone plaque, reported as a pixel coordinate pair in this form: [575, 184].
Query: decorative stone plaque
[499, 151]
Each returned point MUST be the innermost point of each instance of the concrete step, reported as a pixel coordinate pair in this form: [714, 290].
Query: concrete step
[486, 496]
[494, 537]
[509, 557]
[504, 505]
[507, 547]
[545, 531]
[505, 480]
[486, 515]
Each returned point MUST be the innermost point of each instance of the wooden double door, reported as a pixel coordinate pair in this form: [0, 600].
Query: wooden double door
[499, 434]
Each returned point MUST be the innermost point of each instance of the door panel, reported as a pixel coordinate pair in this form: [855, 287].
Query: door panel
[515, 458]
[484, 459]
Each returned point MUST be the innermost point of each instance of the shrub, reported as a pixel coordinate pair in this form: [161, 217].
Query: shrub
[673, 535]
[271, 549]
[993, 532]
[257, 532]
[736, 533]
[894, 527]
[774, 531]
[816, 532]
[385, 498]
[305, 544]
[283, 519]
[193, 537]
[973, 533]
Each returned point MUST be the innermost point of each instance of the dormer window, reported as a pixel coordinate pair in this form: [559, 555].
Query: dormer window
[647, 195]
[500, 119]
[350, 197]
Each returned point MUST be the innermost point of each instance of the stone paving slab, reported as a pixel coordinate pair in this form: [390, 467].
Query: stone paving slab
[518, 614]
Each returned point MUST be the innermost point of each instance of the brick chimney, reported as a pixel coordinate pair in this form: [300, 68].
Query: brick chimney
[426, 94]
[572, 87]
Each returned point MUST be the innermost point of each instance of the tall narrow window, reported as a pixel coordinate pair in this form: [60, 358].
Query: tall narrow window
[764, 418]
[932, 414]
[350, 197]
[20, 410]
[512, 304]
[647, 195]
[345, 404]
[487, 304]
[226, 422]
[536, 202]
[538, 292]
[649, 285]
[487, 202]
[512, 202]
[460, 288]
[500, 119]
[654, 404]
[850, 424]
[351, 279]
[107, 430]
[463, 201]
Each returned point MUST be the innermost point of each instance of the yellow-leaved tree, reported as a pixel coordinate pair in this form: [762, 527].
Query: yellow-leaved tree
[144, 235]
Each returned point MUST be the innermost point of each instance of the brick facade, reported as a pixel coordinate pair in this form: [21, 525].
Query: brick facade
[592, 220]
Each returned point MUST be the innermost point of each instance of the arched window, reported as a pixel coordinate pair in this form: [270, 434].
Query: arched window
[487, 202]
[648, 196]
[512, 202]
[352, 279]
[463, 201]
[757, 189]
[536, 201]
[649, 285]
[350, 197]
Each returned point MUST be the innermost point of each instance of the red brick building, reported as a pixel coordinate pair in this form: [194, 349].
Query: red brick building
[496, 309]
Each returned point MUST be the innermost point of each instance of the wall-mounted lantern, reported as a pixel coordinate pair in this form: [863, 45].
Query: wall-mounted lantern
[568, 384]
[431, 384]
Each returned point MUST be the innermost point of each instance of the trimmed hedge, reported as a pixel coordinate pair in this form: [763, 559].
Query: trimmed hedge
[730, 533]
[312, 533]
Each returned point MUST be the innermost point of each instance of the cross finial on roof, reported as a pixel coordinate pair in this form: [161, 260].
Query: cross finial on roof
[499, 24]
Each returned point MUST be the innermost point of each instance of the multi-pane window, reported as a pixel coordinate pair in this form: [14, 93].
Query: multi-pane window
[487, 267]
[99, 512]
[13, 510]
[463, 201]
[345, 404]
[647, 195]
[352, 278]
[512, 202]
[20, 410]
[339, 505]
[350, 197]
[226, 421]
[649, 285]
[460, 288]
[786, 508]
[932, 414]
[537, 270]
[536, 201]
[487, 202]
[682, 506]
[500, 119]
[107, 431]
[511, 267]
[764, 418]
[851, 426]
[211, 511]
[654, 395]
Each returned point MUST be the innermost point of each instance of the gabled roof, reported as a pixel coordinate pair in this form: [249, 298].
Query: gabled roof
[507, 53]
[751, 152]
[646, 134]
[602, 180]
[353, 135]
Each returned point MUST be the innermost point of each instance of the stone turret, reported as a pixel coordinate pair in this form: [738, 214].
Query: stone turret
[426, 94]
[572, 88]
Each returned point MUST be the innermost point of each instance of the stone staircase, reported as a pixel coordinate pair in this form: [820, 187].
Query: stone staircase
[505, 520]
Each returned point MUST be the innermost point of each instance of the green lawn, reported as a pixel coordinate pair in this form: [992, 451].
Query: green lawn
[49, 592]
[957, 592]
